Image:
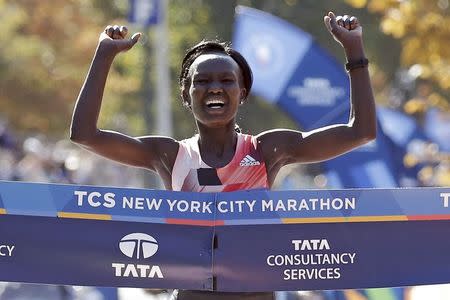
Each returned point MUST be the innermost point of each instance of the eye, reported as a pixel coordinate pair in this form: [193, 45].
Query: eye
[200, 80]
[228, 80]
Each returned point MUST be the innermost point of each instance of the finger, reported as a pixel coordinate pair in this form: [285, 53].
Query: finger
[327, 20]
[109, 30]
[354, 23]
[126, 44]
[123, 31]
[116, 33]
[346, 20]
[339, 21]
[333, 22]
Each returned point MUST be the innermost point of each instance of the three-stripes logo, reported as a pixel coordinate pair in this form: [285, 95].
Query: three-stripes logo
[248, 161]
[137, 246]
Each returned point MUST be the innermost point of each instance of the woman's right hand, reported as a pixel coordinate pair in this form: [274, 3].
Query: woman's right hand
[113, 39]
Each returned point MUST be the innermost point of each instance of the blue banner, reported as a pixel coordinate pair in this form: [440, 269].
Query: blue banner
[144, 12]
[100, 253]
[238, 241]
[295, 73]
[324, 257]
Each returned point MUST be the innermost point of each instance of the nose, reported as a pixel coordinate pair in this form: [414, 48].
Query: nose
[215, 87]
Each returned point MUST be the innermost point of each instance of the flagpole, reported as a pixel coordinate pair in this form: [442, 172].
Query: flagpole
[163, 98]
[146, 14]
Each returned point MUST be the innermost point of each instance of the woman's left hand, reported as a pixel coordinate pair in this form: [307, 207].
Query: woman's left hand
[345, 29]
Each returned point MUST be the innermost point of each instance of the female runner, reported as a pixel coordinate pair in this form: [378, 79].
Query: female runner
[214, 81]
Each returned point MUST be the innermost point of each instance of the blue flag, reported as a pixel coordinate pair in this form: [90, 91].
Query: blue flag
[296, 74]
[144, 12]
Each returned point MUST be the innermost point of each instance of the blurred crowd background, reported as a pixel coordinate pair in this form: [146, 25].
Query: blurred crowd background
[46, 47]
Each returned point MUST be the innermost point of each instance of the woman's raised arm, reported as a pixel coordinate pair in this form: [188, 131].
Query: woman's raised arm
[137, 151]
[281, 147]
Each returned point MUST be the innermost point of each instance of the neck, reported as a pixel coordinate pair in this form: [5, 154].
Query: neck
[218, 142]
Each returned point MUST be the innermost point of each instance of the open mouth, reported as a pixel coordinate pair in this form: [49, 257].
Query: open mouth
[215, 104]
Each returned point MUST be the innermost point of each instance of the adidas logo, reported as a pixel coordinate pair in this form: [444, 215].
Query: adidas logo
[248, 161]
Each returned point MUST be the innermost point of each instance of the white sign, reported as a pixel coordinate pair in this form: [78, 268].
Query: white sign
[316, 92]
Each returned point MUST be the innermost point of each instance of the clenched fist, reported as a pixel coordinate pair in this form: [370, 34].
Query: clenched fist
[113, 39]
[345, 29]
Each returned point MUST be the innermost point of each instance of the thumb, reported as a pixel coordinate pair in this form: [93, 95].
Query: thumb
[327, 21]
[127, 44]
[331, 23]
[135, 38]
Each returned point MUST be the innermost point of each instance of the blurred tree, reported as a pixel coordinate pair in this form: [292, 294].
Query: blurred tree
[44, 51]
[46, 48]
[423, 28]
[43, 45]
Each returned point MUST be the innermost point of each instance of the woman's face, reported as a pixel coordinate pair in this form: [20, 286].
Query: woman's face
[215, 90]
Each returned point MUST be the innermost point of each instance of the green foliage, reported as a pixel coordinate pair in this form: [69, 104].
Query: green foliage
[47, 46]
[43, 46]
[422, 28]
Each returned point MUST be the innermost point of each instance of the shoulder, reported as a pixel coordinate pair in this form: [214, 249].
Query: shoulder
[277, 138]
[186, 149]
[189, 145]
[165, 149]
[277, 145]
[160, 143]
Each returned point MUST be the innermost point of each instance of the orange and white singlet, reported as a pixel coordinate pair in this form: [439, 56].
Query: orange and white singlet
[246, 170]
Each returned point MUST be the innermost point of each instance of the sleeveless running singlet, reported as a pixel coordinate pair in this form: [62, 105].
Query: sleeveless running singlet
[246, 170]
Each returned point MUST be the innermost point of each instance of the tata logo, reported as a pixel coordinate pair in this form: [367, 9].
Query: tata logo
[314, 244]
[138, 246]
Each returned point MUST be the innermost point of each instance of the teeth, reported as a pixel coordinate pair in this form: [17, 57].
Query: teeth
[213, 102]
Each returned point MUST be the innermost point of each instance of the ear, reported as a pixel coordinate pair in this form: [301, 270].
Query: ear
[185, 97]
[243, 96]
